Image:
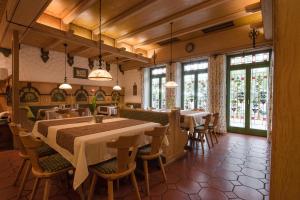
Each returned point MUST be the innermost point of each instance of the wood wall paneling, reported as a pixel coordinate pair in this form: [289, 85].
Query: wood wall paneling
[285, 164]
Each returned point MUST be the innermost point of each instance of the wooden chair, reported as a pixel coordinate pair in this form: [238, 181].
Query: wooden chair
[43, 167]
[44, 150]
[212, 128]
[202, 132]
[114, 169]
[25, 122]
[199, 109]
[154, 151]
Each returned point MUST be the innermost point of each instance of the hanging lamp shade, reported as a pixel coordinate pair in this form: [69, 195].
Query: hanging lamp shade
[100, 74]
[117, 88]
[65, 85]
[171, 83]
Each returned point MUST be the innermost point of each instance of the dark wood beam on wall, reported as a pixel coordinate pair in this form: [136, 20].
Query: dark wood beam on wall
[15, 77]
[53, 44]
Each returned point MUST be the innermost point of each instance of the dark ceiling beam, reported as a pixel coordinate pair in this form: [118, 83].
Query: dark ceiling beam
[198, 27]
[124, 15]
[198, 7]
[79, 8]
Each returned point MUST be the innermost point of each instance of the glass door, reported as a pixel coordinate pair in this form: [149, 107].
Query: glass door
[157, 89]
[247, 93]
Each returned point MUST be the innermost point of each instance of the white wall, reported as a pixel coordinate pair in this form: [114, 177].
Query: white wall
[32, 68]
[5, 62]
[131, 77]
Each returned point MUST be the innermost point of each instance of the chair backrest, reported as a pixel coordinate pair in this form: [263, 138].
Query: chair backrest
[207, 119]
[157, 135]
[83, 111]
[53, 115]
[200, 109]
[127, 147]
[216, 119]
[31, 144]
[15, 129]
[25, 122]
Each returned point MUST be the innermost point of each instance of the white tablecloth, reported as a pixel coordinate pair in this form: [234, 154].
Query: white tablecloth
[192, 119]
[91, 149]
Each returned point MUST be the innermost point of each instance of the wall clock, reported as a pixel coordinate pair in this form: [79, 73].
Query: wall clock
[189, 47]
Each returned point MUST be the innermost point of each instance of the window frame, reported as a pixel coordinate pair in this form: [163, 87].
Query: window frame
[160, 76]
[195, 73]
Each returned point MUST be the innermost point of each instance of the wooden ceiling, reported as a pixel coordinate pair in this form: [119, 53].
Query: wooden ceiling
[143, 23]
[136, 25]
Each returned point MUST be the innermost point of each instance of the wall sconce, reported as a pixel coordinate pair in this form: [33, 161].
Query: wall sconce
[253, 34]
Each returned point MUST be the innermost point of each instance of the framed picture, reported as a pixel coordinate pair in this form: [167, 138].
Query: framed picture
[134, 89]
[80, 73]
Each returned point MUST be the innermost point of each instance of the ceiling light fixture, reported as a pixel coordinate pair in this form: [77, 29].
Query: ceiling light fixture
[170, 83]
[117, 87]
[100, 73]
[65, 85]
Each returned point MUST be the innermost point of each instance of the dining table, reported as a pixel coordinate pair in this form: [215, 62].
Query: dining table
[82, 141]
[192, 119]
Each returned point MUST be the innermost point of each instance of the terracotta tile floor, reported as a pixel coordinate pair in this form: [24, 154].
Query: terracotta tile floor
[236, 168]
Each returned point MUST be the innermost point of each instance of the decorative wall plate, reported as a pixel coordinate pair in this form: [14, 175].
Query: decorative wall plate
[189, 47]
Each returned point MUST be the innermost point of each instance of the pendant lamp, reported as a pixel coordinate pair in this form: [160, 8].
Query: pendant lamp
[117, 87]
[65, 85]
[100, 73]
[170, 83]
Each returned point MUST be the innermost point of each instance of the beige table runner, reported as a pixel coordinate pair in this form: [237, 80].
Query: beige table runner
[65, 137]
[44, 125]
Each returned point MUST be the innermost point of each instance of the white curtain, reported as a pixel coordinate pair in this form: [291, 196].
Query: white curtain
[217, 89]
[142, 88]
[270, 105]
[171, 92]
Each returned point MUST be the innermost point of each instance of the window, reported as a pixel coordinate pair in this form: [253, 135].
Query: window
[157, 88]
[194, 85]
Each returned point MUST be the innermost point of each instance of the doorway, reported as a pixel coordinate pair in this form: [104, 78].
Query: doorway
[248, 93]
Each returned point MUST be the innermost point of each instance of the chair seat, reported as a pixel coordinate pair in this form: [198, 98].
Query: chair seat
[45, 150]
[199, 128]
[107, 167]
[54, 163]
[144, 150]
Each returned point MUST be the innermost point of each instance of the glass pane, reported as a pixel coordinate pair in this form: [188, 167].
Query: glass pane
[158, 71]
[237, 98]
[163, 92]
[259, 98]
[155, 93]
[256, 58]
[189, 91]
[195, 66]
[202, 90]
